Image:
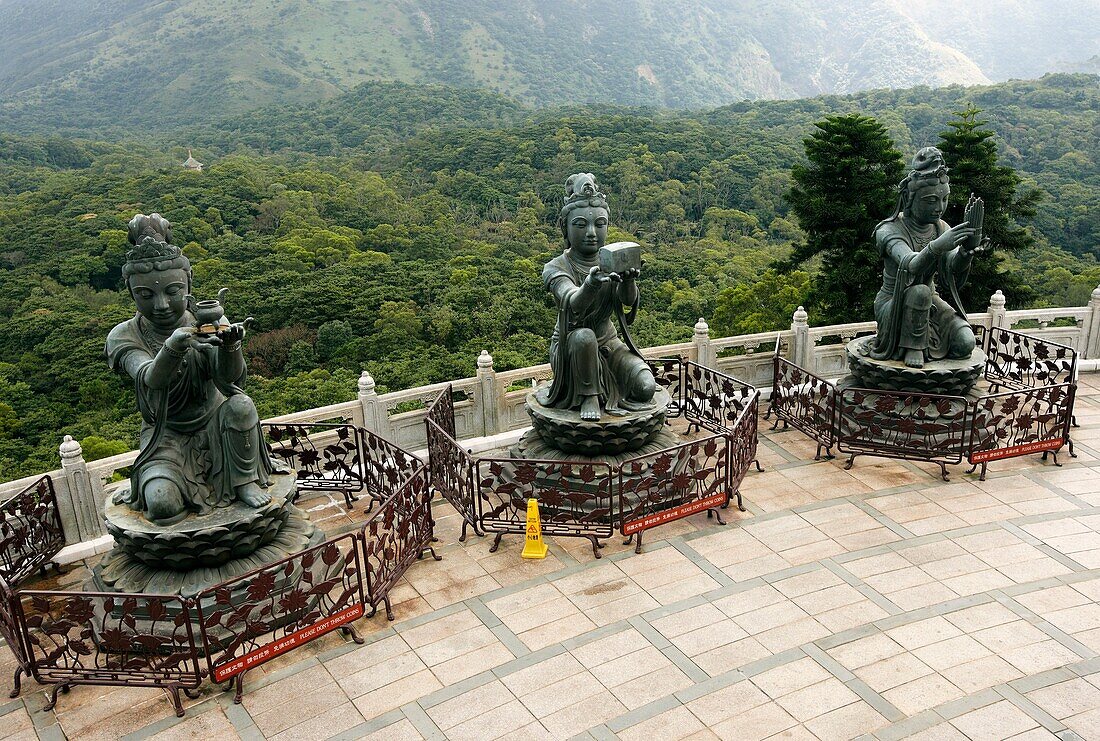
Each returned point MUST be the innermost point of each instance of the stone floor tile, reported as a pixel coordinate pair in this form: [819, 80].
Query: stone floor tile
[1000, 720]
[760, 722]
[866, 651]
[728, 702]
[730, 656]
[333, 721]
[923, 632]
[790, 677]
[850, 616]
[555, 695]
[978, 617]
[848, 722]
[499, 722]
[981, 673]
[671, 725]
[817, 699]
[749, 600]
[623, 669]
[686, 621]
[1039, 657]
[652, 686]
[921, 694]
[709, 637]
[376, 675]
[599, 652]
[396, 693]
[893, 672]
[470, 705]
[1066, 699]
[542, 674]
[211, 724]
[1000, 638]
[557, 631]
[952, 652]
[402, 730]
[925, 595]
[939, 732]
[591, 711]
[1086, 724]
[315, 692]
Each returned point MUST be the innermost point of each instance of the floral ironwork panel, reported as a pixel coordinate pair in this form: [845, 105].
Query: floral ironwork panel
[30, 531]
[673, 483]
[386, 467]
[1015, 423]
[669, 373]
[574, 497]
[254, 618]
[713, 399]
[742, 447]
[442, 411]
[1016, 361]
[897, 424]
[325, 456]
[804, 401]
[12, 634]
[451, 471]
[136, 640]
[396, 535]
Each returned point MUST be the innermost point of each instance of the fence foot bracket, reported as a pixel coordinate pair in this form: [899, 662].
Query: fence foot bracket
[713, 512]
[16, 682]
[496, 543]
[350, 631]
[51, 696]
[597, 545]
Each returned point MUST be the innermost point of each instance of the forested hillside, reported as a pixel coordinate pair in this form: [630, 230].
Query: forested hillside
[403, 230]
[79, 66]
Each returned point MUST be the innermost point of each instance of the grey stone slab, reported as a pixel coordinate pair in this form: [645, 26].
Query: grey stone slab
[857, 583]
[424, 725]
[770, 662]
[454, 690]
[882, 519]
[406, 625]
[883, 706]
[484, 614]
[909, 727]
[1045, 719]
[699, 560]
[964, 705]
[828, 662]
[374, 724]
[10, 707]
[650, 633]
[645, 712]
[846, 636]
[602, 733]
[166, 723]
[595, 635]
[1043, 679]
[517, 647]
[684, 664]
[1085, 668]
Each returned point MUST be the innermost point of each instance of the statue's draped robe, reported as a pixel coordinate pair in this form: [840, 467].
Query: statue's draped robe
[186, 434]
[917, 264]
[618, 362]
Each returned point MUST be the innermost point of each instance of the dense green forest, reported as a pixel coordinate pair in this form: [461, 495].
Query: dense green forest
[403, 229]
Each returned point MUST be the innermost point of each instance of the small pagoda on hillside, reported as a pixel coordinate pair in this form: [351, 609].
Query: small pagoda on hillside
[192, 164]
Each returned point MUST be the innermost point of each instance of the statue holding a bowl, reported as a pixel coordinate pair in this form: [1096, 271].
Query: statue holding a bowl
[201, 447]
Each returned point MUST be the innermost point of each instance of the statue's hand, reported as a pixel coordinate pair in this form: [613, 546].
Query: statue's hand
[975, 217]
[232, 335]
[631, 275]
[952, 238]
[596, 277]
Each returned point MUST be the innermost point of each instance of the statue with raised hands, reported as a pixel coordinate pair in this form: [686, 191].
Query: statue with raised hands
[595, 287]
[920, 251]
[200, 442]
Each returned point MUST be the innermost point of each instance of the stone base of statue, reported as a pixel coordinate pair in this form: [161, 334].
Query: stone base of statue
[949, 376]
[196, 553]
[564, 431]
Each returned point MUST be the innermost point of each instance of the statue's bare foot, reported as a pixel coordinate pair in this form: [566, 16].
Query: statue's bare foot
[590, 409]
[252, 495]
[914, 358]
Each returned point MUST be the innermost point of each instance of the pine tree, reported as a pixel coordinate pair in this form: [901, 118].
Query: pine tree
[848, 185]
[970, 150]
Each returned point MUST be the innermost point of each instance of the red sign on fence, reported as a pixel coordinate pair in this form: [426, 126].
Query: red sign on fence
[269, 651]
[660, 518]
[982, 456]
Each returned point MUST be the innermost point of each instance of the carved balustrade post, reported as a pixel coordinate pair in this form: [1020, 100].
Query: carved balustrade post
[802, 347]
[80, 500]
[704, 354]
[1090, 333]
[374, 415]
[489, 390]
[997, 318]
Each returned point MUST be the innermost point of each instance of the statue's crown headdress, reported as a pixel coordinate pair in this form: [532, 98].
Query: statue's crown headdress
[151, 236]
[582, 190]
[928, 164]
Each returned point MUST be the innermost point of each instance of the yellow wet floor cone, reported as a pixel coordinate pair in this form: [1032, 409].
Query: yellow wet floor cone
[533, 547]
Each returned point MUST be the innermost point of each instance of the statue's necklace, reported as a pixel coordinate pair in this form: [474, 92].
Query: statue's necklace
[150, 335]
[920, 236]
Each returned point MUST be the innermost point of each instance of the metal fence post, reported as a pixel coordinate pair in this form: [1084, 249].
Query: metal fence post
[489, 392]
[82, 513]
[701, 339]
[801, 346]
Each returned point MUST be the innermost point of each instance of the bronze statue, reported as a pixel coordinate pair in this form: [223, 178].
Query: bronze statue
[201, 446]
[592, 283]
[919, 250]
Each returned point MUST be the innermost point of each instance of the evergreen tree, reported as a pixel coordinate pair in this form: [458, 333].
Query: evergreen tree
[971, 153]
[848, 184]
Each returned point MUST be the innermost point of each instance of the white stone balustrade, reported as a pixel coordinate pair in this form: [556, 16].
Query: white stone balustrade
[493, 403]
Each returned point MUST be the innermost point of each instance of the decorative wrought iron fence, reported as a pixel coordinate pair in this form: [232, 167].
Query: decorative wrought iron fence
[669, 375]
[386, 467]
[247, 621]
[713, 399]
[574, 497]
[1015, 423]
[98, 638]
[670, 484]
[1017, 361]
[397, 534]
[450, 466]
[325, 456]
[806, 402]
[12, 634]
[896, 424]
[30, 531]
[743, 441]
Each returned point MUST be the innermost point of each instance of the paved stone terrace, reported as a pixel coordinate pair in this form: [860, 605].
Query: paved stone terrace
[878, 601]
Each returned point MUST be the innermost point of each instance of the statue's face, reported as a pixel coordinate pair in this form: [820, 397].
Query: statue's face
[586, 230]
[161, 296]
[929, 203]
